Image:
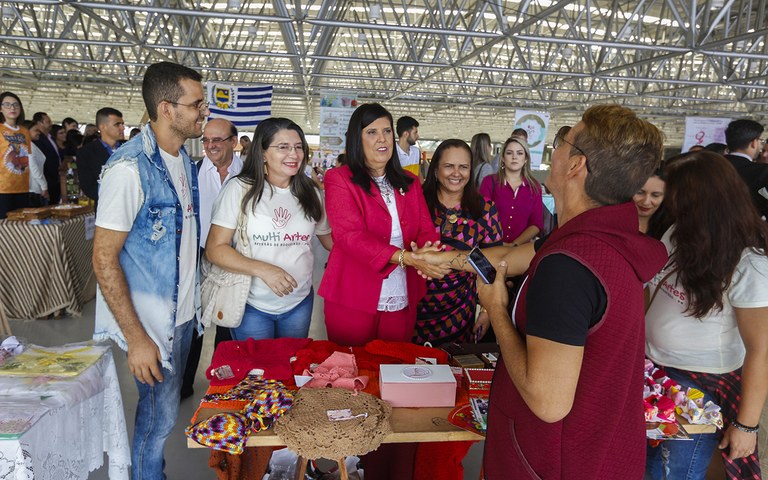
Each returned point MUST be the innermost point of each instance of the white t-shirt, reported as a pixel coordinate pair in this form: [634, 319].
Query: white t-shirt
[118, 211]
[280, 235]
[711, 344]
[409, 158]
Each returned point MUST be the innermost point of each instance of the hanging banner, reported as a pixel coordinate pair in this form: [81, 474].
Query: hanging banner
[536, 124]
[335, 109]
[245, 106]
[703, 131]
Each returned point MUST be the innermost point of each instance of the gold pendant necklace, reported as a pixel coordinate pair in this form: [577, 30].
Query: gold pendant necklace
[452, 218]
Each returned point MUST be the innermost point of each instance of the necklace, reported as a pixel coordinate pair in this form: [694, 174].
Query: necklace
[385, 188]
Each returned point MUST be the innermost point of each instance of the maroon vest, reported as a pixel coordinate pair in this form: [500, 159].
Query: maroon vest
[603, 436]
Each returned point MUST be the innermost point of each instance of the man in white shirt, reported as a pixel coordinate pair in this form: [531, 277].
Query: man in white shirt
[145, 254]
[407, 151]
[219, 165]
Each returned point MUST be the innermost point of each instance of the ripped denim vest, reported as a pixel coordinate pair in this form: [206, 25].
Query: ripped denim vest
[150, 255]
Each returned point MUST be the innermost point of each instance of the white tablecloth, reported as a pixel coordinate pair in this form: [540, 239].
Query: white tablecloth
[78, 427]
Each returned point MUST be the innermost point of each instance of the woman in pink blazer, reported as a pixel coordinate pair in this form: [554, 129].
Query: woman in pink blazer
[376, 211]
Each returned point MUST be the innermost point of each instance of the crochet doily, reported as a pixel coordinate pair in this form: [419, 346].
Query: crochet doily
[306, 429]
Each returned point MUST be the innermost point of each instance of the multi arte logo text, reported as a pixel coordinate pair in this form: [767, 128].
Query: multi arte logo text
[278, 237]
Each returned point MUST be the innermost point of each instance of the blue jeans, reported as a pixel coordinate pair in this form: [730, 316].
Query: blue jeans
[157, 411]
[259, 325]
[682, 459]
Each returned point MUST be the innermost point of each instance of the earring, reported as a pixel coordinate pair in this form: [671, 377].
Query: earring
[266, 170]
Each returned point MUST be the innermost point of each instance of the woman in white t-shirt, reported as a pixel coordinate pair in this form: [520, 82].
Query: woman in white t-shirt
[707, 322]
[284, 209]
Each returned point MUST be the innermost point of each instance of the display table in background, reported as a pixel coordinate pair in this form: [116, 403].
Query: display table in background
[80, 419]
[45, 268]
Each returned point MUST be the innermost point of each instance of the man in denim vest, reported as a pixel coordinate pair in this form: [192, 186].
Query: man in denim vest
[145, 254]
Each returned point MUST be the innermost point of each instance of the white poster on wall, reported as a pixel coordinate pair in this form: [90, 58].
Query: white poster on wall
[703, 131]
[335, 109]
[536, 124]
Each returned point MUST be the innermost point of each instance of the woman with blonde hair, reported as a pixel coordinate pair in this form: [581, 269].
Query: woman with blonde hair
[516, 193]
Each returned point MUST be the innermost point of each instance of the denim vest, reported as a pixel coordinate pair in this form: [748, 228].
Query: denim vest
[150, 256]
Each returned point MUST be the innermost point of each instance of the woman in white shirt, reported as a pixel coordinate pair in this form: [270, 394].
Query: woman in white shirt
[283, 210]
[707, 322]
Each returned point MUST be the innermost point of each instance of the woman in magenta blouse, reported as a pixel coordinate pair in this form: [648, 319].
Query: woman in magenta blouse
[516, 193]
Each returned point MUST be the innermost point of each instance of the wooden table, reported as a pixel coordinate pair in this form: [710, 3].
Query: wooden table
[409, 425]
[45, 268]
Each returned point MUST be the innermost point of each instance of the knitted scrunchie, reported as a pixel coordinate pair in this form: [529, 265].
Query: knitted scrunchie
[229, 431]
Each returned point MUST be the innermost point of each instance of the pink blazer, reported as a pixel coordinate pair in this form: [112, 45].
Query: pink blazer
[361, 227]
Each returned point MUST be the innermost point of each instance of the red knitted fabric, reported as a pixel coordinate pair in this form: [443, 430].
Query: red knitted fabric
[406, 352]
[271, 355]
[315, 352]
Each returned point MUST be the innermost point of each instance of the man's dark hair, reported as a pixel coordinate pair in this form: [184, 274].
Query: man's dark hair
[716, 147]
[520, 132]
[162, 82]
[38, 117]
[69, 121]
[102, 116]
[404, 124]
[741, 132]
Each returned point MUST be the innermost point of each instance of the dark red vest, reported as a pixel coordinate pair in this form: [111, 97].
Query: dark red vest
[603, 436]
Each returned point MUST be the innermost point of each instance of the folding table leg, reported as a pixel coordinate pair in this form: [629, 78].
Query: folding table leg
[343, 468]
[301, 468]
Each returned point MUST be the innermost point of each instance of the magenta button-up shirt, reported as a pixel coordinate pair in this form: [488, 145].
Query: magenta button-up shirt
[518, 209]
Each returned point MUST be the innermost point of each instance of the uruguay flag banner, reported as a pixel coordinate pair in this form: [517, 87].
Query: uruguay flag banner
[245, 106]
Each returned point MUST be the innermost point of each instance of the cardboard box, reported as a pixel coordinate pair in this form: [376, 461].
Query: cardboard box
[38, 213]
[69, 210]
[418, 385]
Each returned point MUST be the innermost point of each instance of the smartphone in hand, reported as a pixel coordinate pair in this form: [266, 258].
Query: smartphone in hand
[481, 265]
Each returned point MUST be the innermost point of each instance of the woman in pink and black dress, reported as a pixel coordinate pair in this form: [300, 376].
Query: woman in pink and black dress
[516, 193]
[465, 220]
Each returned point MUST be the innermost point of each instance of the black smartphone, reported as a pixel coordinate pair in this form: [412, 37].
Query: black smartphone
[481, 265]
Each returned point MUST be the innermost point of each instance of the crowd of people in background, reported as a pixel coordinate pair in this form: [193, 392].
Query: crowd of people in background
[400, 229]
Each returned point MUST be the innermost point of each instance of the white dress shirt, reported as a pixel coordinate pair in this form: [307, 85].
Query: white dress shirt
[209, 184]
[37, 182]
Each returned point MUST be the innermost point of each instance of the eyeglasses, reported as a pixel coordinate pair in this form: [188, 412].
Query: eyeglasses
[558, 141]
[13, 105]
[215, 140]
[200, 105]
[285, 149]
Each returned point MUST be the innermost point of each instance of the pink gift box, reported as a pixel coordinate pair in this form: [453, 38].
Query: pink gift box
[417, 385]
